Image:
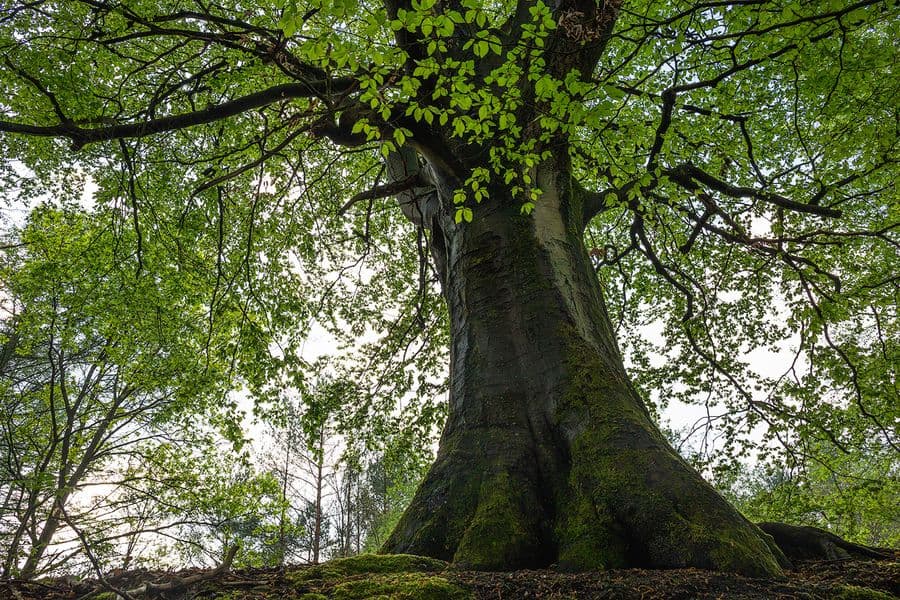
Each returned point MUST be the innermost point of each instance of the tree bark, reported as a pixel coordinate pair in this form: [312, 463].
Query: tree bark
[320, 480]
[549, 456]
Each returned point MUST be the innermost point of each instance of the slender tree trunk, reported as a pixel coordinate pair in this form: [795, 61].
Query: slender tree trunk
[282, 521]
[317, 527]
[549, 455]
[348, 542]
[25, 519]
[50, 526]
[358, 523]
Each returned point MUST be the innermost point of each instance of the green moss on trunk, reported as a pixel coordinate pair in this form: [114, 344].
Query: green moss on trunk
[632, 499]
[549, 455]
[504, 528]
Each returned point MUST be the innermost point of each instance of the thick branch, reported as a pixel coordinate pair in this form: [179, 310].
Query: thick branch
[583, 30]
[82, 136]
[593, 203]
[687, 175]
[382, 191]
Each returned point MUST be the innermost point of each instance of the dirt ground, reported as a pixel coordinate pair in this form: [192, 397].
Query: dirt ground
[838, 579]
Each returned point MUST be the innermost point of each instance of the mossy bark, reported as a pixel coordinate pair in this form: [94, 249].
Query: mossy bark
[549, 456]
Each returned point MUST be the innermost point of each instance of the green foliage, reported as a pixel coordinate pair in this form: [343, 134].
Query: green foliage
[851, 495]
[391, 481]
[737, 163]
[103, 367]
[70, 285]
[218, 502]
[785, 99]
[796, 286]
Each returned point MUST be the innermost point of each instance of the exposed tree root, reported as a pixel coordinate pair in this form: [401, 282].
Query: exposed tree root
[812, 543]
[153, 590]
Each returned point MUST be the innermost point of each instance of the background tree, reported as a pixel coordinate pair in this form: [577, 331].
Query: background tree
[392, 477]
[332, 482]
[851, 495]
[219, 504]
[727, 163]
[101, 369]
[304, 454]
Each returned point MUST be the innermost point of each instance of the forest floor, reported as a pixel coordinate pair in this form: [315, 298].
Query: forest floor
[415, 578]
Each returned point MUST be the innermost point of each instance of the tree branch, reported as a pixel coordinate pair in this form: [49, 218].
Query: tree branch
[81, 136]
[687, 175]
[593, 203]
[382, 191]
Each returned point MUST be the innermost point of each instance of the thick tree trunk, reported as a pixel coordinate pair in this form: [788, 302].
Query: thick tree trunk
[549, 456]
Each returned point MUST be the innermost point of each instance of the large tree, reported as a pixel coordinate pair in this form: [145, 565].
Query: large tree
[742, 152]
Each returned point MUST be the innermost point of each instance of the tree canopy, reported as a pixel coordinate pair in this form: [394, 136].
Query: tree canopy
[735, 164]
[742, 156]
